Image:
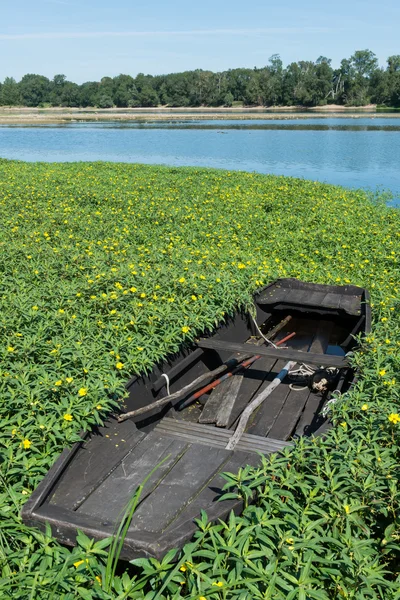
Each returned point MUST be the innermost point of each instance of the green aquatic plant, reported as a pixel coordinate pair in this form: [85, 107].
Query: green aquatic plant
[106, 269]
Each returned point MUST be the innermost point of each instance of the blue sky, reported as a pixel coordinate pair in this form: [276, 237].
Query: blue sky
[88, 39]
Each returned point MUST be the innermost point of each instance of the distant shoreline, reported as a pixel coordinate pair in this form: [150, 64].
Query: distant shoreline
[58, 115]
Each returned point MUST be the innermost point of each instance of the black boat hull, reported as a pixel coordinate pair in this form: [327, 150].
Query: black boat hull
[90, 484]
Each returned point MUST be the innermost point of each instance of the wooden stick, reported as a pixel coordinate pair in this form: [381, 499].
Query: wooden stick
[178, 394]
[185, 390]
[258, 400]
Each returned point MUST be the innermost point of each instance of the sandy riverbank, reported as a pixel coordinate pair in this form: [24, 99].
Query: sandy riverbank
[47, 116]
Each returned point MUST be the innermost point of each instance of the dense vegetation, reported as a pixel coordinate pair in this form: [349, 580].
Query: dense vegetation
[358, 81]
[105, 268]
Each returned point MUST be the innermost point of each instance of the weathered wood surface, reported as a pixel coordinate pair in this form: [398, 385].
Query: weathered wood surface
[284, 353]
[309, 296]
[94, 461]
[223, 396]
[109, 500]
[255, 403]
[214, 436]
[218, 396]
[178, 369]
[228, 401]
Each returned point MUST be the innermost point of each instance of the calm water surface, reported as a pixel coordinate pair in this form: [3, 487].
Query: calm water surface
[354, 152]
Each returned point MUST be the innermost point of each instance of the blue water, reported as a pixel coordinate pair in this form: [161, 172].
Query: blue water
[362, 152]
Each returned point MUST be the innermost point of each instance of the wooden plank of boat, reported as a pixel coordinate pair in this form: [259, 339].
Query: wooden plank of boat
[226, 390]
[216, 409]
[90, 468]
[309, 296]
[324, 360]
[110, 498]
[251, 384]
[311, 410]
[286, 420]
[296, 400]
[214, 436]
[264, 417]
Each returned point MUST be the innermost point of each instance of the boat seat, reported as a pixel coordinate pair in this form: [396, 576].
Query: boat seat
[216, 437]
[300, 298]
[324, 360]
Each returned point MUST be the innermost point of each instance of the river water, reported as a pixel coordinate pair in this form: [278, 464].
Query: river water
[361, 152]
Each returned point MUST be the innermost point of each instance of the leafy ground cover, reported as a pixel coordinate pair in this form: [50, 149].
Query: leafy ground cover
[108, 267]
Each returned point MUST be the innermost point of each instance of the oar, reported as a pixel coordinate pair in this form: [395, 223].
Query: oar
[243, 365]
[234, 439]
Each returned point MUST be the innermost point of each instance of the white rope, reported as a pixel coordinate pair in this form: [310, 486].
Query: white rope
[167, 380]
[261, 333]
[304, 371]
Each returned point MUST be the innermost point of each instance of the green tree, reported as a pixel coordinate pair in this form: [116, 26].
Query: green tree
[34, 89]
[148, 97]
[124, 90]
[88, 93]
[10, 95]
[104, 101]
[56, 89]
[393, 80]
[70, 95]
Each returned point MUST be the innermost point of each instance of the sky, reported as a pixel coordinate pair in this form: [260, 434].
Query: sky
[89, 39]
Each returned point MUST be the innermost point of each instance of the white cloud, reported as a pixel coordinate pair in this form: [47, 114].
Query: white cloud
[194, 32]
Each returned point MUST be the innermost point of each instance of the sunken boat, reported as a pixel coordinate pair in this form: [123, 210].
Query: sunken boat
[201, 414]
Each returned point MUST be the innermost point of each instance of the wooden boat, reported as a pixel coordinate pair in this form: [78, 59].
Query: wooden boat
[89, 485]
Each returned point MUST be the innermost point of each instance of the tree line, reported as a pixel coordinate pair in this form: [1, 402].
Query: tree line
[358, 81]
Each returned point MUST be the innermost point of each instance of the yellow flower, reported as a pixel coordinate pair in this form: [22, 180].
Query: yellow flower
[394, 418]
[82, 392]
[218, 583]
[26, 444]
[119, 365]
[69, 379]
[241, 266]
[59, 382]
[194, 297]
[182, 280]
[343, 424]
[202, 598]
[382, 372]
[384, 319]
[14, 431]
[98, 578]
[35, 307]
[68, 417]
[10, 349]
[133, 290]
[346, 509]
[99, 407]
[61, 311]
[78, 563]
[143, 295]
[182, 568]
[364, 407]
[289, 541]
[185, 329]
